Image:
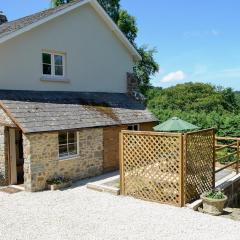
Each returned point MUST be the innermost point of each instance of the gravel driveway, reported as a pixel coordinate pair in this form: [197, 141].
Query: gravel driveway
[79, 213]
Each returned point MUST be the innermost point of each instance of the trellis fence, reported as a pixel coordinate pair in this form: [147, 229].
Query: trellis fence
[171, 168]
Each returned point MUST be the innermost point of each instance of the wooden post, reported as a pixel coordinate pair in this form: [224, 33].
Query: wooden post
[182, 166]
[121, 167]
[238, 155]
[214, 158]
[12, 151]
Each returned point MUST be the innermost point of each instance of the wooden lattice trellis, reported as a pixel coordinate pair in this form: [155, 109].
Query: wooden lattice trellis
[199, 163]
[151, 166]
[165, 167]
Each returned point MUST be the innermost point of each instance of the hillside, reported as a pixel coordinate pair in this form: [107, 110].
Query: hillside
[201, 104]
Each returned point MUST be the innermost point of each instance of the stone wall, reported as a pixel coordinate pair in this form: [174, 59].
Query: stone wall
[3, 156]
[41, 160]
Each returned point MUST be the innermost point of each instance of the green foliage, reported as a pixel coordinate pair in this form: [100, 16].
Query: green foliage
[146, 68]
[215, 194]
[237, 96]
[200, 104]
[56, 3]
[58, 180]
[112, 7]
[127, 23]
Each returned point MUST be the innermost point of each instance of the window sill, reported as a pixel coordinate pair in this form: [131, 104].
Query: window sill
[68, 158]
[54, 79]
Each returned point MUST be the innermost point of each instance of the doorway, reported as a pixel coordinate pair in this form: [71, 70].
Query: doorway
[16, 158]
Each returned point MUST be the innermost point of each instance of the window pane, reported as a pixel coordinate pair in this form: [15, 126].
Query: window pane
[59, 70]
[62, 138]
[47, 69]
[72, 148]
[72, 137]
[63, 151]
[58, 60]
[130, 127]
[46, 58]
[135, 127]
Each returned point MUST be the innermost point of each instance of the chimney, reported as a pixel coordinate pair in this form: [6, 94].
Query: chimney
[3, 18]
[132, 83]
[133, 87]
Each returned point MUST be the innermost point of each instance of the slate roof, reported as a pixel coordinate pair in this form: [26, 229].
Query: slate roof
[38, 111]
[18, 24]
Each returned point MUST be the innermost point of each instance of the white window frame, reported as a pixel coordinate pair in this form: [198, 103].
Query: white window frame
[133, 126]
[69, 156]
[52, 75]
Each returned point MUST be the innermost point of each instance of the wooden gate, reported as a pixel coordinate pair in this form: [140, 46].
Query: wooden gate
[171, 168]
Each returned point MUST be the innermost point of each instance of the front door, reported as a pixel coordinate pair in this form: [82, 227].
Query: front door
[16, 160]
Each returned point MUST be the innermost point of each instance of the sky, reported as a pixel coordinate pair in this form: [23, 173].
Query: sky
[195, 40]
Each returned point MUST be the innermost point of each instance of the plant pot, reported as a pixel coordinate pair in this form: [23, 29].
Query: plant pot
[54, 187]
[213, 206]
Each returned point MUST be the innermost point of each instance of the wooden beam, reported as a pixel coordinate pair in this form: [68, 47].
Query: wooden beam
[121, 162]
[9, 114]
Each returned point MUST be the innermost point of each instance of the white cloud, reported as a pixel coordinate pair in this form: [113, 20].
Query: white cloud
[202, 33]
[215, 32]
[174, 76]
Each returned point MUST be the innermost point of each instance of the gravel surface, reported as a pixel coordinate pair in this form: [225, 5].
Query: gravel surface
[80, 213]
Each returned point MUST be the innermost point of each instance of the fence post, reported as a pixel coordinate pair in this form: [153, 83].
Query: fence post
[238, 155]
[214, 158]
[122, 185]
[182, 162]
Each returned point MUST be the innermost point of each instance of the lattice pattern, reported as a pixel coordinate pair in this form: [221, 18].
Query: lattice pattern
[151, 166]
[199, 157]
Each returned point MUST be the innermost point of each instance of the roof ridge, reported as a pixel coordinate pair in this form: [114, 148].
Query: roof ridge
[12, 29]
[39, 15]
[63, 6]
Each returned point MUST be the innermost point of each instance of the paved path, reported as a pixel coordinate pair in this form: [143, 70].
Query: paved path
[79, 213]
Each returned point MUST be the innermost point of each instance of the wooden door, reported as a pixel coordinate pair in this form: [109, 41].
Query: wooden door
[12, 156]
[111, 148]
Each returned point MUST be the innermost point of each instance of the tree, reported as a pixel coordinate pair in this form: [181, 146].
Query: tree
[146, 68]
[56, 3]
[127, 24]
[112, 7]
[201, 104]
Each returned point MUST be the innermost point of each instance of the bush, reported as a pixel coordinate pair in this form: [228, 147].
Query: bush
[58, 180]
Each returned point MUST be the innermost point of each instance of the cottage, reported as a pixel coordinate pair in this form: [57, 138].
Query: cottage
[66, 91]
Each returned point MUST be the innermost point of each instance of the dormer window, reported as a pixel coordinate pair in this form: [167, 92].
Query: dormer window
[53, 65]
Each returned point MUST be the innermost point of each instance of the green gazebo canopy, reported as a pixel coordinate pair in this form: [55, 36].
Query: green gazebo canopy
[175, 125]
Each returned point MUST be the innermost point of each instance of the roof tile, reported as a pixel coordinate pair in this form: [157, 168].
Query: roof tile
[52, 111]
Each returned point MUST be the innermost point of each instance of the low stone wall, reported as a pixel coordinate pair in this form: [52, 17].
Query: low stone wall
[41, 160]
[3, 156]
[232, 189]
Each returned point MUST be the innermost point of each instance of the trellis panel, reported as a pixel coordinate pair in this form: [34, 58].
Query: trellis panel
[167, 168]
[199, 158]
[151, 166]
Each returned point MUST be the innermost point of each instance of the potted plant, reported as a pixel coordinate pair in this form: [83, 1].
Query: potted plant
[213, 202]
[59, 182]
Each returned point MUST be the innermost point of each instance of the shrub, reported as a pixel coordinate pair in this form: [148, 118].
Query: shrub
[58, 180]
